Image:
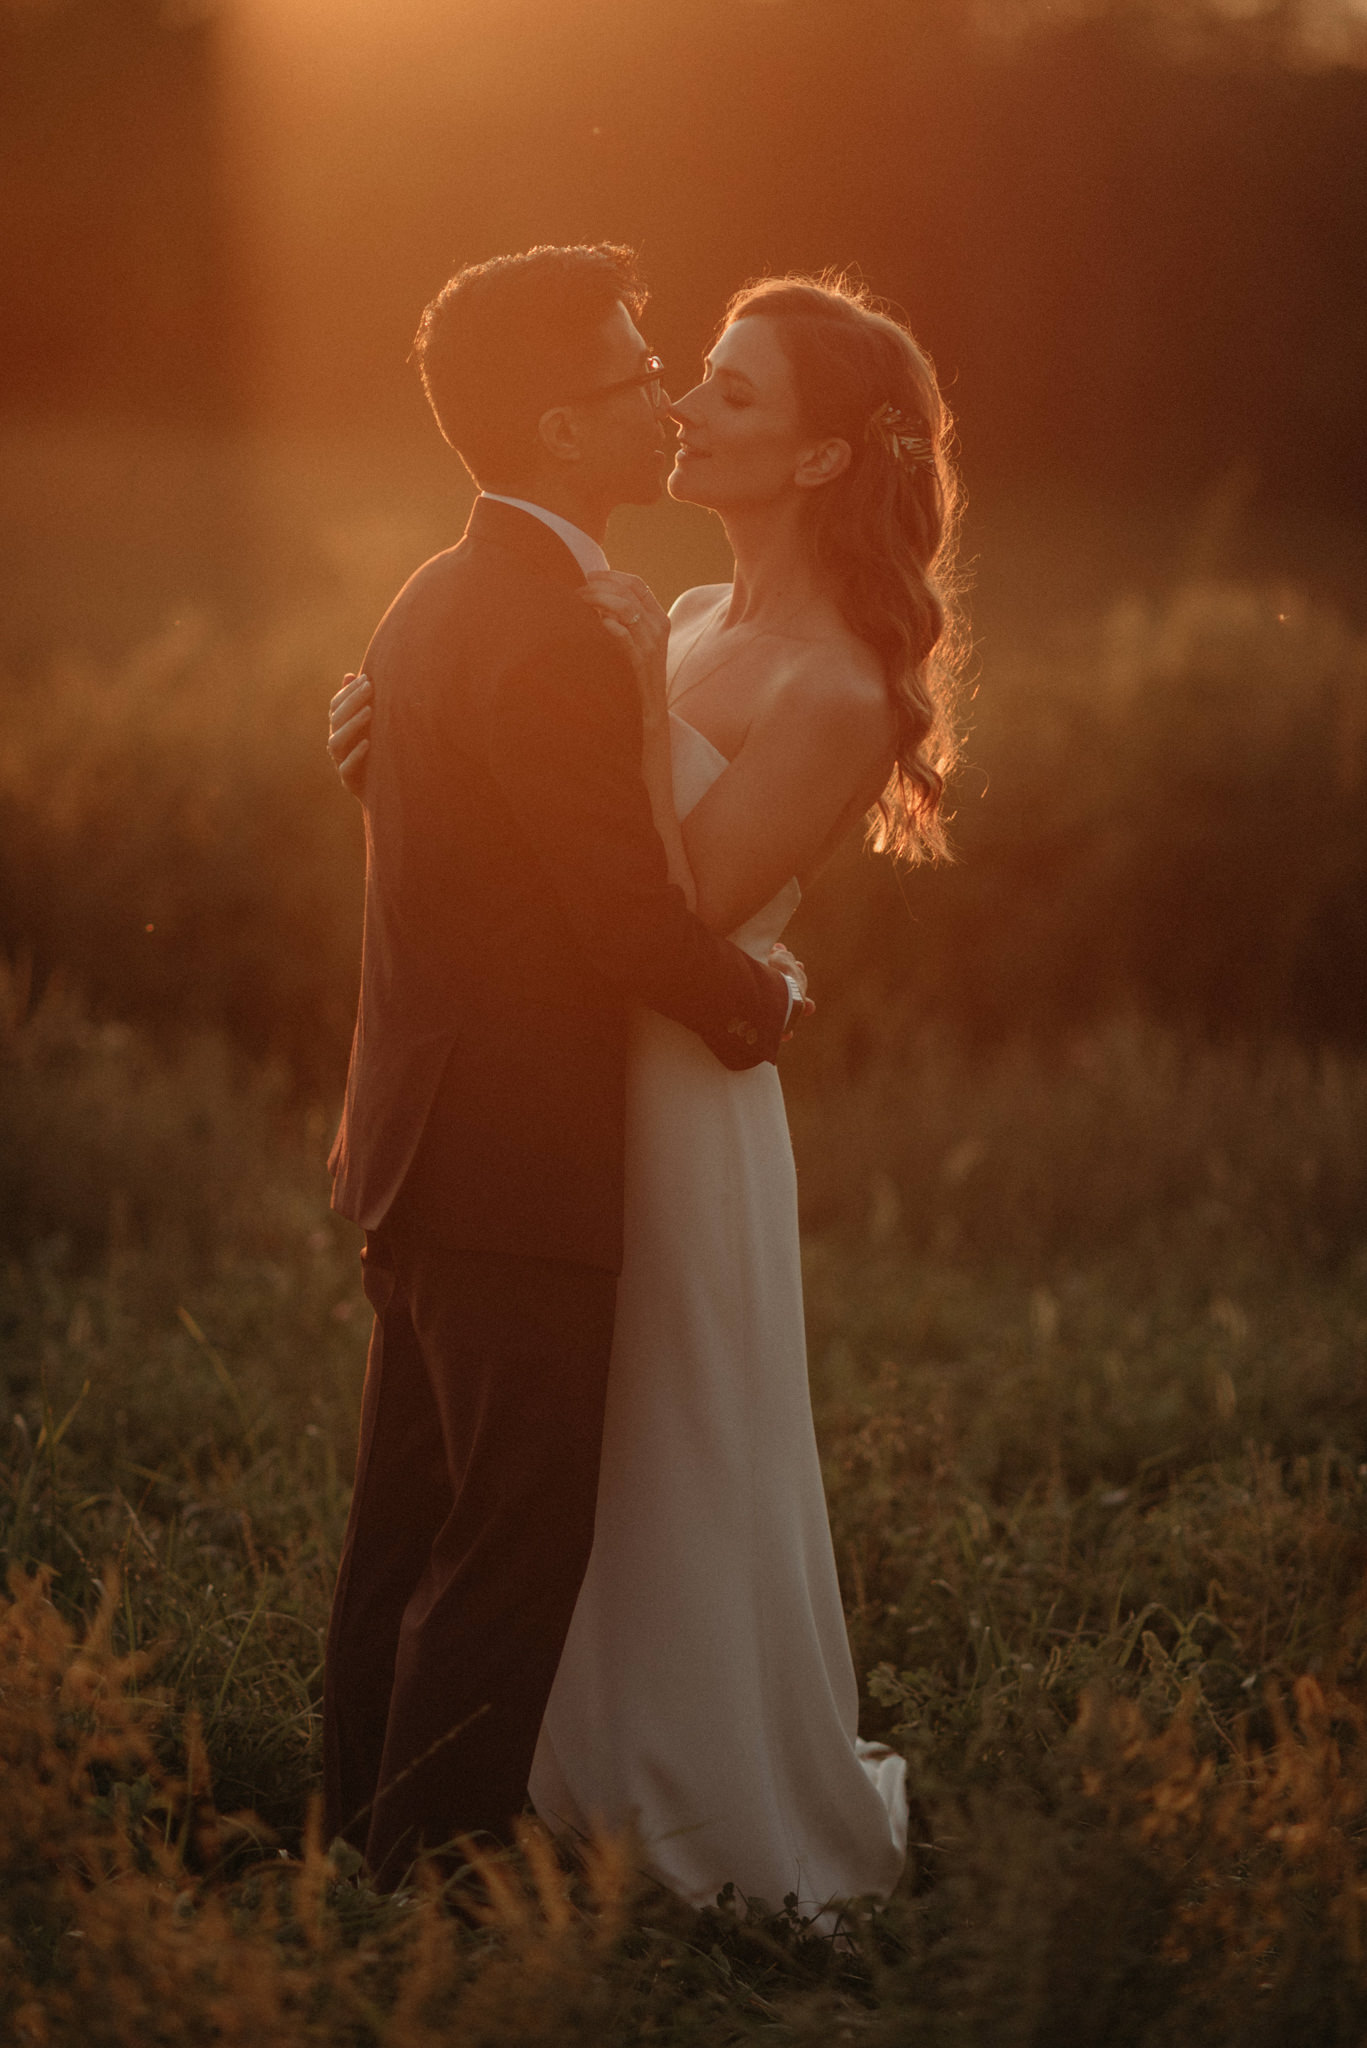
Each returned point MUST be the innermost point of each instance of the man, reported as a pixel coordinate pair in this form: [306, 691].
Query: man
[516, 905]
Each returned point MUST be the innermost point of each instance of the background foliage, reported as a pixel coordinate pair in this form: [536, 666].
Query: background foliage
[1163, 811]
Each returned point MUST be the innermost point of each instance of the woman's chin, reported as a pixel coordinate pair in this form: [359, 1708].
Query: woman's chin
[685, 484]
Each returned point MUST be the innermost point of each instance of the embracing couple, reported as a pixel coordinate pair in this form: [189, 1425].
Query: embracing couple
[588, 1560]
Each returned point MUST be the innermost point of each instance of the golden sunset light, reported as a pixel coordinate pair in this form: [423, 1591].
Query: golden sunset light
[683, 1023]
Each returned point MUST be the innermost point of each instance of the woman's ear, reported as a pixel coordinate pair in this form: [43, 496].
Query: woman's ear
[561, 432]
[822, 463]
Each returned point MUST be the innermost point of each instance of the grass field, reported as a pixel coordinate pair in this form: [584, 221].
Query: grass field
[1087, 1338]
[1084, 1190]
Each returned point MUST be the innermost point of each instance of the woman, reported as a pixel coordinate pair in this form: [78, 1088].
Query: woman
[706, 1692]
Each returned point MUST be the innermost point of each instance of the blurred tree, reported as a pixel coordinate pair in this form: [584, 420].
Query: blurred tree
[111, 214]
[1130, 230]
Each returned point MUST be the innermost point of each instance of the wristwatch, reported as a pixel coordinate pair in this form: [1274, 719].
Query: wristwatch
[794, 999]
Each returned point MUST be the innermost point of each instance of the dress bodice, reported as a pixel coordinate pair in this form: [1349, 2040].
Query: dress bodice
[697, 765]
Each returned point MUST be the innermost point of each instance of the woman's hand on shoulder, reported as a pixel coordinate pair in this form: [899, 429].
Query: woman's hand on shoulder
[636, 619]
[349, 717]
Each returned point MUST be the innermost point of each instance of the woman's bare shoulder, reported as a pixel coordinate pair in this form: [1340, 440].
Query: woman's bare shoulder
[691, 604]
[840, 683]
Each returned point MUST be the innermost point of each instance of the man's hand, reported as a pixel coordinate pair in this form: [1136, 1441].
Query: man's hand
[349, 716]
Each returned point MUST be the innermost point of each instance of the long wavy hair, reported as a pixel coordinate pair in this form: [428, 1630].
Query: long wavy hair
[884, 535]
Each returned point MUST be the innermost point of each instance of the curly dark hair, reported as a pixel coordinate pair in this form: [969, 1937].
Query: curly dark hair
[885, 534]
[503, 340]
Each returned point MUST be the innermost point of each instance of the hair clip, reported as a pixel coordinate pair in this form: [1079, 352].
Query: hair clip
[893, 428]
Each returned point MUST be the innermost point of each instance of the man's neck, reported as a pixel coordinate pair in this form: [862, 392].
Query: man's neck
[552, 495]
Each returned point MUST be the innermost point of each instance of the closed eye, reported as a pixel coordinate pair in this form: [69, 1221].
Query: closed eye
[736, 388]
[737, 391]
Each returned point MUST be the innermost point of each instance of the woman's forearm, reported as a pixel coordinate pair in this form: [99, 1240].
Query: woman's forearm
[659, 779]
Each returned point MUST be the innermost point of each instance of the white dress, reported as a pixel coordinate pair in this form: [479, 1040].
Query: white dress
[706, 1692]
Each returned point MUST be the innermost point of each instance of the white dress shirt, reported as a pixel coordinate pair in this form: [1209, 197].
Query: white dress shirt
[581, 545]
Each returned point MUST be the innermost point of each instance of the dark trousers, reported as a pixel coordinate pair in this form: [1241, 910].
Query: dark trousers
[470, 1529]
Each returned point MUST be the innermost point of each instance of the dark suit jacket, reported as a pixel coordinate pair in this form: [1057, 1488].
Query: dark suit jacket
[516, 904]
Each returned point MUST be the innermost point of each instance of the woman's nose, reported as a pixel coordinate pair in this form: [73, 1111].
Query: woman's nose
[676, 409]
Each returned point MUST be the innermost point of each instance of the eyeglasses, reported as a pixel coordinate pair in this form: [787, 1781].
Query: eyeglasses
[650, 380]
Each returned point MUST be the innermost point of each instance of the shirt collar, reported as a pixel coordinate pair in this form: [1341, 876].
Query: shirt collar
[581, 545]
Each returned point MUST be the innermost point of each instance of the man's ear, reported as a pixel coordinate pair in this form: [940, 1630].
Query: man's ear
[561, 432]
[822, 463]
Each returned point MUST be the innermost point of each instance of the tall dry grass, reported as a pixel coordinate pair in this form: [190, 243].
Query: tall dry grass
[1098, 1485]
